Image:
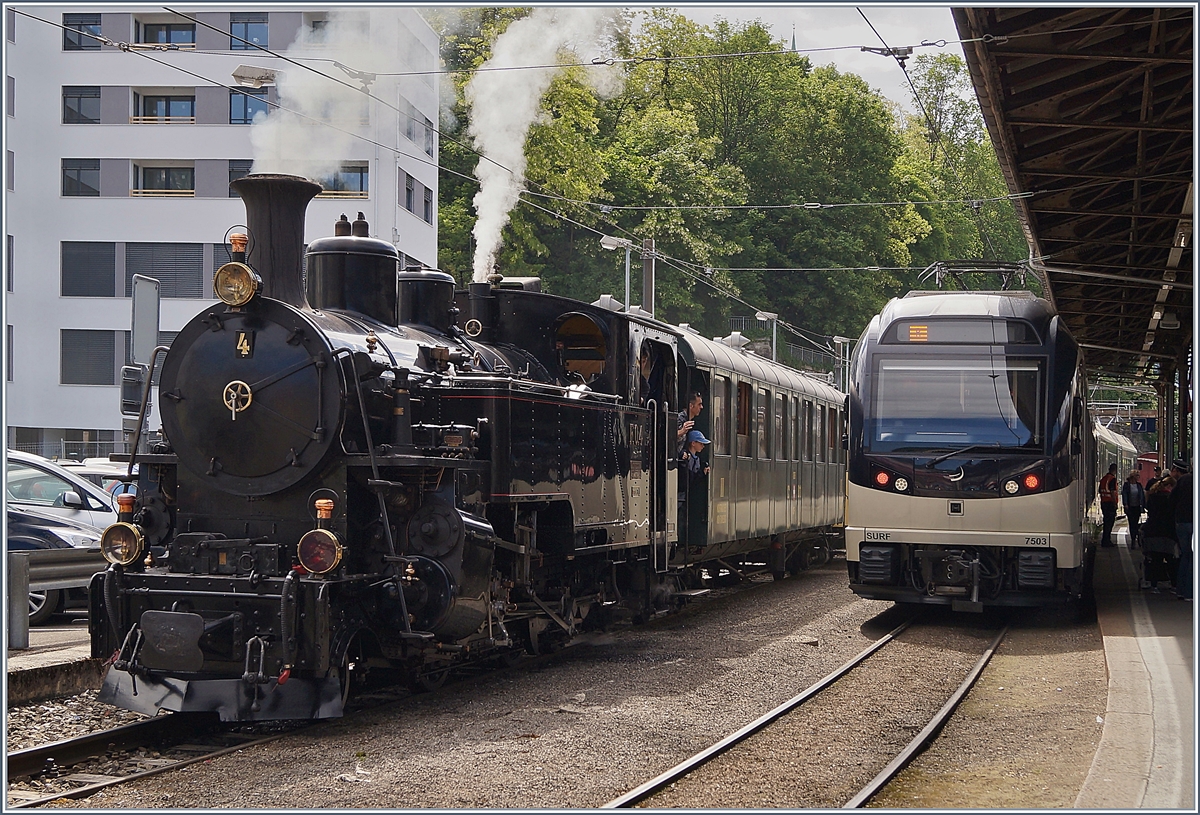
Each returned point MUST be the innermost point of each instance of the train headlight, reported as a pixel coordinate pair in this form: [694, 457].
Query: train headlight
[122, 543]
[901, 484]
[1031, 482]
[235, 284]
[882, 478]
[1012, 487]
[319, 551]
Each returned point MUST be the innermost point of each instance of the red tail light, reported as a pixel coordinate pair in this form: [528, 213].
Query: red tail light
[1032, 482]
[882, 478]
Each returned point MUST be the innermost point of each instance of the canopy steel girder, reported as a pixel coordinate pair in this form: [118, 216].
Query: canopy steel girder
[1091, 110]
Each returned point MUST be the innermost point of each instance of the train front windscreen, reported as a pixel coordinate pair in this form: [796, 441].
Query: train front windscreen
[940, 404]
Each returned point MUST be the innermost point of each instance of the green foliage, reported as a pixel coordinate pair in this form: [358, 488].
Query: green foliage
[686, 143]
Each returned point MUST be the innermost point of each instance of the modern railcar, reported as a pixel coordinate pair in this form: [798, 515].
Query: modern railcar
[971, 454]
[363, 468]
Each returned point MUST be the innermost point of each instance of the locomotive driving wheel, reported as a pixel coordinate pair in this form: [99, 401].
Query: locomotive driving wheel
[423, 680]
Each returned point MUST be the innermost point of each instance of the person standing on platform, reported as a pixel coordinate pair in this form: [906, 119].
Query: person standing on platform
[1154, 479]
[1108, 504]
[1134, 498]
[1182, 497]
[1159, 548]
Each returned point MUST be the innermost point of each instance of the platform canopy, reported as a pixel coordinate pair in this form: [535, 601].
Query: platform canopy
[1091, 113]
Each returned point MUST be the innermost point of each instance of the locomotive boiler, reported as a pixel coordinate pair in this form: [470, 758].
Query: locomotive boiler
[364, 468]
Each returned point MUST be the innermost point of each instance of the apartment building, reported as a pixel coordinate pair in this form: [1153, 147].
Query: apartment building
[119, 152]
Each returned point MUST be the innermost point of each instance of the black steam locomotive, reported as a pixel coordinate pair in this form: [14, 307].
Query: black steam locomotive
[355, 476]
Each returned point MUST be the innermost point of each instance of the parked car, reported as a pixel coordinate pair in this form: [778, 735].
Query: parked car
[31, 528]
[104, 474]
[37, 483]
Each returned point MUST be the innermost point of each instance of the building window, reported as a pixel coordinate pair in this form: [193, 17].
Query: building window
[172, 33]
[10, 170]
[409, 114]
[430, 145]
[168, 181]
[351, 178]
[238, 168]
[428, 205]
[10, 87]
[168, 107]
[9, 259]
[89, 269]
[9, 352]
[243, 104]
[88, 357]
[80, 176]
[77, 27]
[409, 192]
[221, 256]
[248, 32]
[10, 24]
[81, 104]
[179, 267]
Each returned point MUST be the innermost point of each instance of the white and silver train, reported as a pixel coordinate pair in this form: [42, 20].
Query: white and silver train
[972, 456]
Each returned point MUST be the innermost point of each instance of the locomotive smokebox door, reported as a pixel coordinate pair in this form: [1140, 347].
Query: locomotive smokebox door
[252, 400]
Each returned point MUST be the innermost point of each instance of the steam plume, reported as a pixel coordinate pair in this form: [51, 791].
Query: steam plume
[505, 103]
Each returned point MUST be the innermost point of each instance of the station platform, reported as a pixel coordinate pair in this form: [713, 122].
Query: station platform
[1146, 753]
[1146, 757]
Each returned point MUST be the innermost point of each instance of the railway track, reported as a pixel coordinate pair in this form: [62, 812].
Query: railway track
[658, 791]
[79, 767]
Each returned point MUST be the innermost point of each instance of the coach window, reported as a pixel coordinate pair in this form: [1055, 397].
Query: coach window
[835, 434]
[806, 427]
[780, 427]
[793, 420]
[720, 415]
[822, 431]
[744, 407]
[763, 427]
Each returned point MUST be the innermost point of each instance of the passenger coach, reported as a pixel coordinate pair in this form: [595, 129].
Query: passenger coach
[777, 464]
[969, 451]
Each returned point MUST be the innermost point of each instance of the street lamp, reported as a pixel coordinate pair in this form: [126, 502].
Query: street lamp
[609, 242]
[772, 318]
[252, 76]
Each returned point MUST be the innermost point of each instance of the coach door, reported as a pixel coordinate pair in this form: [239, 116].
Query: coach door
[655, 374]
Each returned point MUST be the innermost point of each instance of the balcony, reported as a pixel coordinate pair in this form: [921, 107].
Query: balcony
[162, 120]
[162, 193]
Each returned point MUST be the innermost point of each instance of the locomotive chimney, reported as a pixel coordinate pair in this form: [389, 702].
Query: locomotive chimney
[275, 206]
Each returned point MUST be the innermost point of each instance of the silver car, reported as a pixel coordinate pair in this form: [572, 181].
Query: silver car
[37, 482]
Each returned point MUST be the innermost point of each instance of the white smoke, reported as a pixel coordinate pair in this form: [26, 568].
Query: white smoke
[505, 103]
[298, 140]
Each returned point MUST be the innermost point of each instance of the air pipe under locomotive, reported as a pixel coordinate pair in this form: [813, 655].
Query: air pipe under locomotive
[350, 479]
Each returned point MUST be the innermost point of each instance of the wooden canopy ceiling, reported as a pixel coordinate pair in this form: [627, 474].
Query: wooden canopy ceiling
[1091, 113]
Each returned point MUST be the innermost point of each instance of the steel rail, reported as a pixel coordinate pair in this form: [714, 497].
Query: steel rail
[655, 784]
[91, 789]
[926, 735]
[65, 753]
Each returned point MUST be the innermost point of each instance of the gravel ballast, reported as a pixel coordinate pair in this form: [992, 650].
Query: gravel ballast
[604, 717]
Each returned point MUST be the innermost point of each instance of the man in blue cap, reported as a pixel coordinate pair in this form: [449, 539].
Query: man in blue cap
[690, 465]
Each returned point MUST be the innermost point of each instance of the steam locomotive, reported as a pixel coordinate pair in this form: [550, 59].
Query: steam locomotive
[350, 479]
